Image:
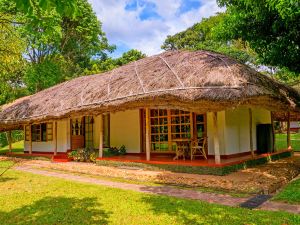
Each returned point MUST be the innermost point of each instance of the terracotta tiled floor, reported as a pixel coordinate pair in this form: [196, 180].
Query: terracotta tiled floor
[168, 159]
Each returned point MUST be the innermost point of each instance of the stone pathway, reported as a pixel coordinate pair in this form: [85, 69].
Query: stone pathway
[221, 199]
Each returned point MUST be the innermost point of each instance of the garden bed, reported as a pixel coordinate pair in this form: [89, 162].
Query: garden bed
[265, 178]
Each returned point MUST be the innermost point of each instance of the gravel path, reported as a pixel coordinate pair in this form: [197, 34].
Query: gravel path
[166, 190]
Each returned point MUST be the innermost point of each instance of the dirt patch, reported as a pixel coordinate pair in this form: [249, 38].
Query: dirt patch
[266, 178]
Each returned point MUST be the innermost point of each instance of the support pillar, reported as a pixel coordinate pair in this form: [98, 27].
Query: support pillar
[216, 138]
[55, 138]
[250, 132]
[288, 136]
[101, 137]
[148, 144]
[30, 139]
[273, 132]
[8, 135]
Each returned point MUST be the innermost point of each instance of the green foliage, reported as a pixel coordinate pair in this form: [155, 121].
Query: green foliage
[43, 75]
[12, 63]
[106, 64]
[200, 37]
[130, 56]
[60, 6]
[43, 45]
[113, 151]
[271, 28]
[86, 154]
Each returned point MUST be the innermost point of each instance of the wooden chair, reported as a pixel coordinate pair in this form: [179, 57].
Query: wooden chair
[198, 147]
[181, 148]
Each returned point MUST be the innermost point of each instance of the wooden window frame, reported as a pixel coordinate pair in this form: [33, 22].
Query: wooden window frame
[49, 132]
[192, 130]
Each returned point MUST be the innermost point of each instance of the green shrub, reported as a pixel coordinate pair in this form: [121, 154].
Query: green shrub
[117, 151]
[87, 154]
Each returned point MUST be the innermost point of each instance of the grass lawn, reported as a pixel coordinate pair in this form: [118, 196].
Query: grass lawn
[16, 147]
[33, 199]
[281, 143]
[290, 194]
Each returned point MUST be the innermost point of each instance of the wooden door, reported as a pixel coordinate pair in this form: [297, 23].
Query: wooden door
[77, 133]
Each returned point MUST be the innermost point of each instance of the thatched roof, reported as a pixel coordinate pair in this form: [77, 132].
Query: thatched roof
[199, 81]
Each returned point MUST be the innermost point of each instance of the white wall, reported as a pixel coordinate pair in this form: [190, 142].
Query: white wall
[221, 131]
[237, 129]
[62, 143]
[125, 130]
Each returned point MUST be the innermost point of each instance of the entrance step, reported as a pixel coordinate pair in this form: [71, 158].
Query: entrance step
[61, 158]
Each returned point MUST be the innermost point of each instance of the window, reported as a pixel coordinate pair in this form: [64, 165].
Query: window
[180, 124]
[159, 130]
[168, 125]
[39, 132]
[77, 126]
[27, 133]
[88, 121]
[200, 125]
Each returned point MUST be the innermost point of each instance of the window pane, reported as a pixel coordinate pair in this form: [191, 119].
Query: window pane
[200, 118]
[44, 132]
[200, 130]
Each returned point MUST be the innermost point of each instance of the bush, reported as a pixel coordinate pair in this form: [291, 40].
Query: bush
[87, 154]
[117, 151]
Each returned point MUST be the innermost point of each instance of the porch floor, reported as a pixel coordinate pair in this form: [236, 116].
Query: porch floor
[168, 159]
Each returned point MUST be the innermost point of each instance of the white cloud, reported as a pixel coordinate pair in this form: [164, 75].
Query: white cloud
[124, 27]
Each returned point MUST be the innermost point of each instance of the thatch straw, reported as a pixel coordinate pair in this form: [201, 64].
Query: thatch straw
[198, 81]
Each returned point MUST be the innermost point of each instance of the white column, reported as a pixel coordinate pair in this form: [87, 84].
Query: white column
[148, 144]
[55, 138]
[216, 138]
[288, 137]
[101, 137]
[30, 139]
[250, 132]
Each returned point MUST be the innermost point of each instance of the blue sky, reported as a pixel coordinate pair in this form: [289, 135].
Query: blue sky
[144, 24]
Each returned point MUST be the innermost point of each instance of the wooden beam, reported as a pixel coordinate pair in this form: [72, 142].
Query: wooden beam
[216, 138]
[273, 132]
[30, 139]
[55, 138]
[148, 144]
[192, 125]
[169, 131]
[8, 136]
[288, 136]
[250, 132]
[101, 137]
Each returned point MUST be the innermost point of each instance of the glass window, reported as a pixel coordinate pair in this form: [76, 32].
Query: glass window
[39, 132]
[89, 121]
[167, 125]
[200, 125]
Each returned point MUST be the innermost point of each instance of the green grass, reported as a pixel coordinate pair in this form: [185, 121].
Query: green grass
[17, 147]
[281, 143]
[290, 194]
[33, 199]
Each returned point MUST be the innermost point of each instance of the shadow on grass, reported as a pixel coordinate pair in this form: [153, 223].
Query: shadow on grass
[197, 212]
[58, 210]
[5, 179]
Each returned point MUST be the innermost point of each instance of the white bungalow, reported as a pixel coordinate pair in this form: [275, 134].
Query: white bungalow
[150, 104]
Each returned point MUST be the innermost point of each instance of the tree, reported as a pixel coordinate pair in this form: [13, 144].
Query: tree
[103, 65]
[56, 42]
[11, 62]
[200, 37]
[130, 56]
[62, 7]
[271, 27]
